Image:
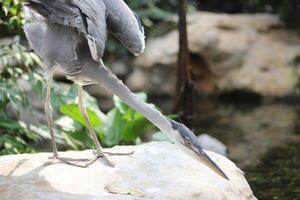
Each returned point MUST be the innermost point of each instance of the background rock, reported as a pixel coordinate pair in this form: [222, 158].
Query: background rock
[228, 52]
[157, 170]
[212, 144]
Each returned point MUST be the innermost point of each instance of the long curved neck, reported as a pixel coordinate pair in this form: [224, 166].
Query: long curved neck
[108, 80]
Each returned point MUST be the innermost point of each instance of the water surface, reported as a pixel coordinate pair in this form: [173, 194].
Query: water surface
[262, 139]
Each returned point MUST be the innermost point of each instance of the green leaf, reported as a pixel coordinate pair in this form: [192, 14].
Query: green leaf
[14, 142]
[135, 128]
[68, 124]
[127, 112]
[123, 107]
[78, 140]
[113, 128]
[120, 105]
[9, 124]
[43, 132]
[73, 111]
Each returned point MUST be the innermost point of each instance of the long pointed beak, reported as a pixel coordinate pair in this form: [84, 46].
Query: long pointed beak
[187, 139]
[205, 159]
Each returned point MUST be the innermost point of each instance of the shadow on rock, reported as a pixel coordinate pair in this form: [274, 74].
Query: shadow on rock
[26, 181]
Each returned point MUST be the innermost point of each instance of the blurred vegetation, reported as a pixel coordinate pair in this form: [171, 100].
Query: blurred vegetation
[120, 126]
[11, 18]
[16, 64]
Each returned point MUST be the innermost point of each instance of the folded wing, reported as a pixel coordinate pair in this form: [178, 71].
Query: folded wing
[125, 25]
[87, 16]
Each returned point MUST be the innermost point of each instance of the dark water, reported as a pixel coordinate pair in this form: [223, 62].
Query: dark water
[262, 139]
[277, 175]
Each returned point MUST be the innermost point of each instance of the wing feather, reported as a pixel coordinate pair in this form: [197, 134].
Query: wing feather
[87, 16]
[124, 24]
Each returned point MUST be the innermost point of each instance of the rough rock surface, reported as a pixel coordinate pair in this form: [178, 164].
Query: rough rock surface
[155, 171]
[228, 52]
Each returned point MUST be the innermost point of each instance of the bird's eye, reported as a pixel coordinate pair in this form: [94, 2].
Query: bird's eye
[188, 143]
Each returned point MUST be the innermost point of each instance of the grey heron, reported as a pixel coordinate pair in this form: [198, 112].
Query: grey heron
[71, 35]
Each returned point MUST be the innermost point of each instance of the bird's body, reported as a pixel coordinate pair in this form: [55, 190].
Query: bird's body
[47, 39]
[80, 28]
[71, 35]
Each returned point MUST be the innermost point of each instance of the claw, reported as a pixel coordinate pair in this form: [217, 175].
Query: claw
[107, 162]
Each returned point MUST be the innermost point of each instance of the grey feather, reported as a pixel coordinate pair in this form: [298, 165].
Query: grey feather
[125, 25]
[88, 17]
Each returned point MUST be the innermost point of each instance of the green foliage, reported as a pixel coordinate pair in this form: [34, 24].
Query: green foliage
[15, 58]
[153, 11]
[121, 125]
[15, 136]
[11, 17]
[15, 63]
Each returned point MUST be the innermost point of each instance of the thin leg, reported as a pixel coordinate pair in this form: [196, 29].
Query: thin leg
[48, 110]
[91, 130]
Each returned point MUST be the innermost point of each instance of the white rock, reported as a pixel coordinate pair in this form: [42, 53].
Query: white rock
[212, 144]
[156, 171]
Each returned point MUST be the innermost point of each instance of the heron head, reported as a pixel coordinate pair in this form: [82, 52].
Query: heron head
[189, 142]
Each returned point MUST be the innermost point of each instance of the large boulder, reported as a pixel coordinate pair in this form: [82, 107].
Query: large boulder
[228, 52]
[155, 171]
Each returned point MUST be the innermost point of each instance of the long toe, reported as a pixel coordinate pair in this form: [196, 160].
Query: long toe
[72, 163]
[68, 161]
[118, 154]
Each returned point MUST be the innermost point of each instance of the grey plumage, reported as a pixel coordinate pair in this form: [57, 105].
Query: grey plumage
[72, 23]
[125, 25]
[88, 17]
[71, 35]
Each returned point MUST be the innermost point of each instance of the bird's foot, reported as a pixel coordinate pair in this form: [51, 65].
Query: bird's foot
[68, 161]
[99, 156]
[106, 160]
[86, 162]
